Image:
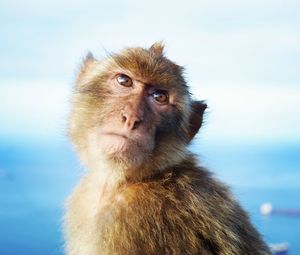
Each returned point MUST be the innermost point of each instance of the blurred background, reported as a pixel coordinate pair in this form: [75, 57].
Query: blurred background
[242, 57]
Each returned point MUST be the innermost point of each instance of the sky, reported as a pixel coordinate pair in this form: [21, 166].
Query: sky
[243, 57]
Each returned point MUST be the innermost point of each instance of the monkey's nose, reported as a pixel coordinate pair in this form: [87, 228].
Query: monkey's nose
[132, 121]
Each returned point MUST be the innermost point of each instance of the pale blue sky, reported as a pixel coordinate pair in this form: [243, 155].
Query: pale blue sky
[242, 56]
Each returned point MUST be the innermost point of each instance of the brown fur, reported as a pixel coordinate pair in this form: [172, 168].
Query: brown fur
[152, 198]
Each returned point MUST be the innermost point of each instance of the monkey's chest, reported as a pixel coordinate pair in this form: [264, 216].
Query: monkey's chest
[149, 221]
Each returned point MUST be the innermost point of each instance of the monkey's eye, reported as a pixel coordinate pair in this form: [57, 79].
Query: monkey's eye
[124, 80]
[161, 96]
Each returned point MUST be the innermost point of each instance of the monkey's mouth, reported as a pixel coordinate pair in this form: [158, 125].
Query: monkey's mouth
[125, 136]
[113, 134]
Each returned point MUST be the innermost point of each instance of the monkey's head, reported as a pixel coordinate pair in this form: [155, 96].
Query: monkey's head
[133, 111]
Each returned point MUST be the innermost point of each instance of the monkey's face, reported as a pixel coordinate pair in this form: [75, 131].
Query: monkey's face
[131, 109]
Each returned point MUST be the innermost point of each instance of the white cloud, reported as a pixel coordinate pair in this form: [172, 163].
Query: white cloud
[34, 108]
[229, 41]
[247, 111]
[40, 108]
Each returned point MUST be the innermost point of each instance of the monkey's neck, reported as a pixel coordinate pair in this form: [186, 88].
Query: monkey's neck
[114, 174]
[107, 175]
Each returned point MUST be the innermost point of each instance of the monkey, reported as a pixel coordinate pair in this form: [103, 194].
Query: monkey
[144, 192]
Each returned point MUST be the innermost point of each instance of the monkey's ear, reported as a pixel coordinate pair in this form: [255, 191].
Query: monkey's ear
[157, 48]
[88, 59]
[87, 63]
[196, 118]
[89, 56]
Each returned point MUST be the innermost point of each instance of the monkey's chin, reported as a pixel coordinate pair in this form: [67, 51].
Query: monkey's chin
[125, 160]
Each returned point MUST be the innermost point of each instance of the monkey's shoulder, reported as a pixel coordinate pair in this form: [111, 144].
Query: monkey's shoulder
[183, 188]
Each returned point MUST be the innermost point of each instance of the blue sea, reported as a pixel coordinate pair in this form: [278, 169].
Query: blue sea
[35, 179]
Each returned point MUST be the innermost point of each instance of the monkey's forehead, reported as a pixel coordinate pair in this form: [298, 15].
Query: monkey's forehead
[147, 66]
